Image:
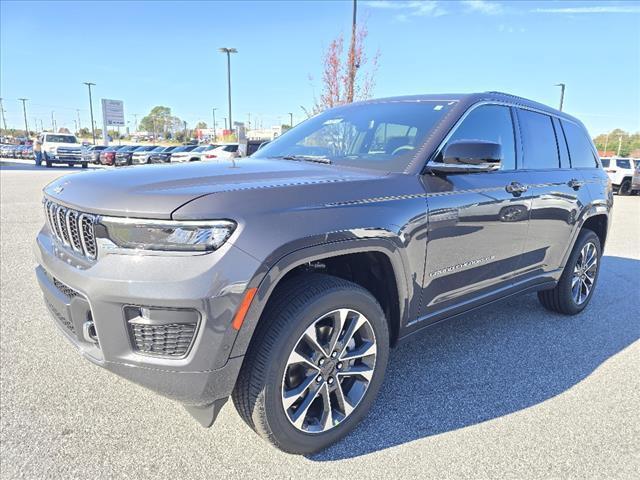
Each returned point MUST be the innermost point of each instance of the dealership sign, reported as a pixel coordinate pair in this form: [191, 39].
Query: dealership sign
[113, 113]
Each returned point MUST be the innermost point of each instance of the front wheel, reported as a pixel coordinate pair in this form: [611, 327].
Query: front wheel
[578, 280]
[85, 165]
[316, 363]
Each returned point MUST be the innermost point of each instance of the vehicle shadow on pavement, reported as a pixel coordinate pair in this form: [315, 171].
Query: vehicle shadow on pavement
[495, 361]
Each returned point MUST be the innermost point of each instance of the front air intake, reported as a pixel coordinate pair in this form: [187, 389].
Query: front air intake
[162, 332]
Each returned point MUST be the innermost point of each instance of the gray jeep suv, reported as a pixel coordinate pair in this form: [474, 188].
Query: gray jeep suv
[282, 280]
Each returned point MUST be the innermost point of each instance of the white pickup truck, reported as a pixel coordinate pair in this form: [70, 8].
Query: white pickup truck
[61, 148]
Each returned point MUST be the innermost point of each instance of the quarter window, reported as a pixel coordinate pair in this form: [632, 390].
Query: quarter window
[538, 140]
[579, 146]
[491, 123]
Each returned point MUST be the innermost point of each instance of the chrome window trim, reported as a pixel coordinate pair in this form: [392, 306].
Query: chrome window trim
[503, 103]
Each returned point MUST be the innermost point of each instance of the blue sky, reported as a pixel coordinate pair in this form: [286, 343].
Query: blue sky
[165, 53]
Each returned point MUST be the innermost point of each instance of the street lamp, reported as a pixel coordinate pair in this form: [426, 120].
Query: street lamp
[229, 51]
[24, 110]
[290, 119]
[93, 127]
[562, 87]
[215, 135]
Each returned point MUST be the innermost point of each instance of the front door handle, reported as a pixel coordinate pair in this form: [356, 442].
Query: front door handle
[575, 183]
[516, 188]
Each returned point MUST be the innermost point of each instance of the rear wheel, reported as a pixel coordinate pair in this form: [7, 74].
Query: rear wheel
[316, 364]
[625, 187]
[575, 287]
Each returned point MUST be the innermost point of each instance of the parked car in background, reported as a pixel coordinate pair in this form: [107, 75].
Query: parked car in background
[92, 153]
[6, 151]
[182, 154]
[141, 155]
[27, 152]
[620, 171]
[254, 145]
[108, 155]
[123, 155]
[17, 152]
[227, 151]
[200, 152]
[61, 148]
[635, 180]
[162, 156]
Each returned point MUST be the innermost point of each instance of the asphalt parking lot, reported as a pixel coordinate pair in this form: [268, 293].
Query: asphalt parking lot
[511, 391]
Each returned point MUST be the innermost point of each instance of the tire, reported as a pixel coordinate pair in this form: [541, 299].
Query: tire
[85, 165]
[561, 299]
[48, 164]
[625, 188]
[295, 306]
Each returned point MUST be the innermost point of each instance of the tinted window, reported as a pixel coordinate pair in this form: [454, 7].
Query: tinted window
[491, 123]
[231, 148]
[623, 163]
[538, 140]
[579, 146]
[605, 162]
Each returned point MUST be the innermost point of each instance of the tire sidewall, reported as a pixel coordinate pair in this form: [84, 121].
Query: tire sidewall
[286, 435]
[585, 237]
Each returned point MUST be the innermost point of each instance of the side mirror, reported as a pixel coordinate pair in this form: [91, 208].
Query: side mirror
[467, 156]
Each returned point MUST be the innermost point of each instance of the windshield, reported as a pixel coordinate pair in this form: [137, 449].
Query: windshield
[382, 136]
[60, 139]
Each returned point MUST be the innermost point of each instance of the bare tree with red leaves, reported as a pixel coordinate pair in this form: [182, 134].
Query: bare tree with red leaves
[336, 79]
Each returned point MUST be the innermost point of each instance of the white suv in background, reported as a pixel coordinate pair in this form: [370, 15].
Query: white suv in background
[61, 148]
[226, 151]
[620, 171]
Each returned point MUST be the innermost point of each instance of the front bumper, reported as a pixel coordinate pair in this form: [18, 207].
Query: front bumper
[211, 284]
[65, 158]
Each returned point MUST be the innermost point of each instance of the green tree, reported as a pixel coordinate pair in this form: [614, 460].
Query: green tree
[628, 142]
[160, 121]
[200, 125]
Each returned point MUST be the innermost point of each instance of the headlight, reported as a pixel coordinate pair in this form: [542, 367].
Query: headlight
[51, 149]
[166, 235]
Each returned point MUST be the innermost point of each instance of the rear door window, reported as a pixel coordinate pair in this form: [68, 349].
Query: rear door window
[540, 149]
[605, 162]
[580, 150]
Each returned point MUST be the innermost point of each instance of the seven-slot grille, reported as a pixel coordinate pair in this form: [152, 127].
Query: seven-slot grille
[72, 228]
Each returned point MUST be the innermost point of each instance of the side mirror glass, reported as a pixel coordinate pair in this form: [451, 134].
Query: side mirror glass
[467, 156]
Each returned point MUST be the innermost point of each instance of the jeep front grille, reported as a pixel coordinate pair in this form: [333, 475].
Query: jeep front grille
[168, 340]
[72, 229]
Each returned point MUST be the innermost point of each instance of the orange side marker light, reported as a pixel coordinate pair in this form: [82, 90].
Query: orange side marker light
[243, 309]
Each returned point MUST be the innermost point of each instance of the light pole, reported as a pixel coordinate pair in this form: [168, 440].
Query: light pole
[290, 119]
[562, 87]
[619, 145]
[215, 135]
[4, 121]
[606, 144]
[24, 111]
[229, 51]
[79, 124]
[352, 56]
[53, 122]
[185, 131]
[93, 128]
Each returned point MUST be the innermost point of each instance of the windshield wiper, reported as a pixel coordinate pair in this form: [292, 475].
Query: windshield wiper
[306, 158]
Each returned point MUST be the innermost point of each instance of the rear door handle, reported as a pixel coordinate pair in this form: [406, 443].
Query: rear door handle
[516, 188]
[575, 183]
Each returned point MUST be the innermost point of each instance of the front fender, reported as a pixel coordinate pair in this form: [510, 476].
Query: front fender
[268, 277]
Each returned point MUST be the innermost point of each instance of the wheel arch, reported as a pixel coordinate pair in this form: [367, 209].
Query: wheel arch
[393, 298]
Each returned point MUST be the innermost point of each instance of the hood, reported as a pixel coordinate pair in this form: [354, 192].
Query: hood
[155, 191]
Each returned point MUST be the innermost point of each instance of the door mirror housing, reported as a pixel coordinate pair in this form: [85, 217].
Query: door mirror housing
[467, 156]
